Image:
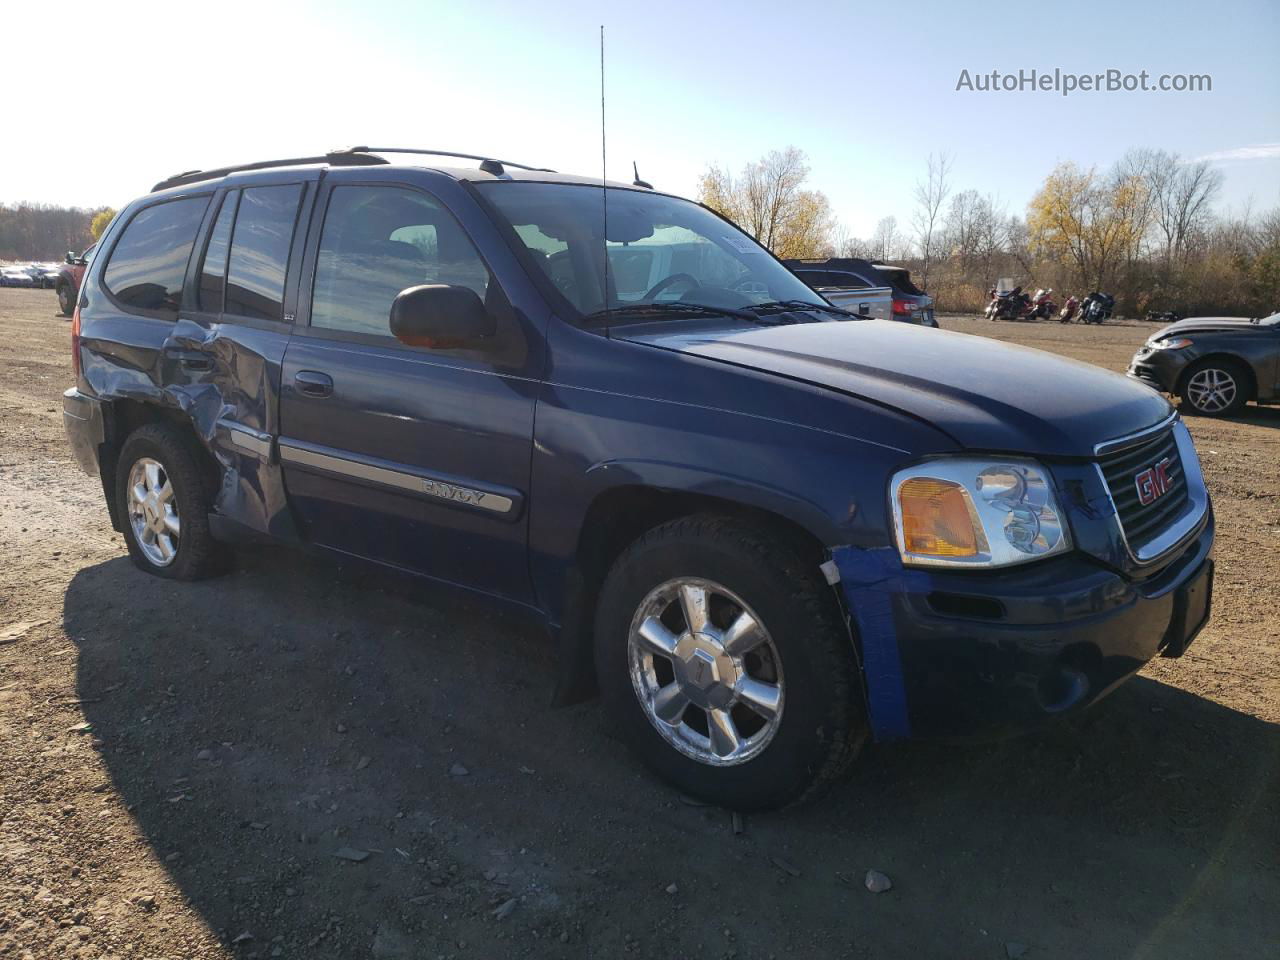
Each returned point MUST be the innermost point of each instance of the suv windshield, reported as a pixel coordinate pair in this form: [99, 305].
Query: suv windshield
[661, 249]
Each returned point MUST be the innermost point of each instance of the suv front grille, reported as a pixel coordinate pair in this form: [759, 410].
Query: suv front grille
[1141, 522]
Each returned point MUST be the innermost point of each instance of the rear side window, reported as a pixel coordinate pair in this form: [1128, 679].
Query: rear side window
[214, 270]
[260, 245]
[148, 264]
[831, 278]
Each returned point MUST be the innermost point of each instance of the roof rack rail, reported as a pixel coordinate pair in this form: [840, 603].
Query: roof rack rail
[487, 164]
[338, 158]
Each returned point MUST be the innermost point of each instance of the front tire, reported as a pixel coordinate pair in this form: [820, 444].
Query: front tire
[1216, 388]
[163, 501]
[66, 299]
[724, 662]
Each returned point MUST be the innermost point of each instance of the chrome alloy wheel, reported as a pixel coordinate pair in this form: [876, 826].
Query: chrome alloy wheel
[1211, 389]
[705, 671]
[153, 511]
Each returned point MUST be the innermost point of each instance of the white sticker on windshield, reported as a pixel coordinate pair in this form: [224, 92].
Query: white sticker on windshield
[741, 244]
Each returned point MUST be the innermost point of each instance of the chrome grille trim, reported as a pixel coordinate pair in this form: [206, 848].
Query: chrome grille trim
[1187, 519]
[1133, 439]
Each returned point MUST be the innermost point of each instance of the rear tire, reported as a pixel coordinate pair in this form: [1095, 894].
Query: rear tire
[745, 730]
[66, 299]
[163, 501]
[1216, 388]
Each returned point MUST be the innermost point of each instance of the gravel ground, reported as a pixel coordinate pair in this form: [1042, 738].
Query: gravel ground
[302, 760]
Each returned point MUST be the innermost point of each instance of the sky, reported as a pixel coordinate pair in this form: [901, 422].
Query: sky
[866, 90]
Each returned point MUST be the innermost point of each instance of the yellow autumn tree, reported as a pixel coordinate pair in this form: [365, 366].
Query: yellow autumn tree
[101, 220]
[1087, 222]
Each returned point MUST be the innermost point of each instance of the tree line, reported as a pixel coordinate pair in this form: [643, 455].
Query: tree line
[1145, 230]
[38, 231]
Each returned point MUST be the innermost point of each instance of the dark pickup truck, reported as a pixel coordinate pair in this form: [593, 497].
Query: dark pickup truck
[763, 531]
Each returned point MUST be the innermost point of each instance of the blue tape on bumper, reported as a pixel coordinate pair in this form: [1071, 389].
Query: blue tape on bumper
[869, 578]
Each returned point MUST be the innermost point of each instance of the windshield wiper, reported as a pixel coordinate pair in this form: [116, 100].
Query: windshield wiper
[674, 308]
[779, 305]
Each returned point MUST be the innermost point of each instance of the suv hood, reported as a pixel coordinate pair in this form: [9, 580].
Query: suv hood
[985, 394]
[1206, 325]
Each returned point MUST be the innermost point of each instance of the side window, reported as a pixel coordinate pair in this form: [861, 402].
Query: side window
[259, 256]
[148, 264]
[851, 280]
[376, 241]
[214, 270]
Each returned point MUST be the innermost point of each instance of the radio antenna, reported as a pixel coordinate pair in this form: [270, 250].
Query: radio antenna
[604, 195]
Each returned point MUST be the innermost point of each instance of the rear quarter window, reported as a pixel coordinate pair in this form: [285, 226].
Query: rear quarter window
[260, 243]
[149, 262]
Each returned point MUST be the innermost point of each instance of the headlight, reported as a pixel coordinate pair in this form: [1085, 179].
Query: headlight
[960, 512]
[1175, 343]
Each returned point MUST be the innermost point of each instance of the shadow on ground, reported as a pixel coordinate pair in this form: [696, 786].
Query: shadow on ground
[260, 723]
[1256, 416]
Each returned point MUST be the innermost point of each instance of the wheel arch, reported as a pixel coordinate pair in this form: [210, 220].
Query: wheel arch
[1221, 356]
[615, 518]
[124, 416]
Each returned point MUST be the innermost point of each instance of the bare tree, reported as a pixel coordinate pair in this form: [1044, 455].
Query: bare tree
[973, 233]
[1184, 197]
[856, 247]
[1148, 169]
[886, 241]
[768, 200]
[842, 243]
[930, 194]
[42, 231]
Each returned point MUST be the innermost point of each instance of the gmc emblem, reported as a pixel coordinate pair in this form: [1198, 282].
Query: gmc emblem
[1153, 482]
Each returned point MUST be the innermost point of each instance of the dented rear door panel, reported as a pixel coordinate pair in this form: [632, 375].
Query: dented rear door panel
[225, 364]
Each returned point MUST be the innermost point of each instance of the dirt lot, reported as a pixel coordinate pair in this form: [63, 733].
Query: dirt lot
[179, 764]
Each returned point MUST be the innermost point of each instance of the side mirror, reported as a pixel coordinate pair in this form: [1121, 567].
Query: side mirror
[440, 316]
[70, 257]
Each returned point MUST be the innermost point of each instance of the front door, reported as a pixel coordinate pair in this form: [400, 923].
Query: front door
[411, 456]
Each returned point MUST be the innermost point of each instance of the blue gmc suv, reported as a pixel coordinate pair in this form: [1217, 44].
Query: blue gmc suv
[762, 530]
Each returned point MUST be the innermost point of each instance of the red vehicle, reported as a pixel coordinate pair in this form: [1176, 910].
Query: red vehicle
[69, 278]
[1069, 309]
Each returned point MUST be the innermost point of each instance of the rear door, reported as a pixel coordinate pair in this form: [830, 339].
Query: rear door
[226, 350]
[411, 456]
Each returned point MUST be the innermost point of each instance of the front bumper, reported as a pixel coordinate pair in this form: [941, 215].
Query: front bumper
[1161, 369]
[970, 654]
[82, 418]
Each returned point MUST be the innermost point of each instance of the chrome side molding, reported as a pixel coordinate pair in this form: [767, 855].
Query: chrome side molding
[382, 474]
[247, 439]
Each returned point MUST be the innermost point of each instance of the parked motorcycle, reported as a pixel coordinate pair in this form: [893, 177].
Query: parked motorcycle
[1163, 316]
[1042, 305]
[1010, 305]
[1068, 311]
[1096, 307]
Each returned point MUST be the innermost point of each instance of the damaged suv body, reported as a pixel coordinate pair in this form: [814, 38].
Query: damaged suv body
[763, 531]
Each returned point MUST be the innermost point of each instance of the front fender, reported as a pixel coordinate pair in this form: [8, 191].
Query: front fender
[766, 494]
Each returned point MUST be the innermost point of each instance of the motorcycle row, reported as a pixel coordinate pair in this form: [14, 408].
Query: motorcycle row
[1016, 305]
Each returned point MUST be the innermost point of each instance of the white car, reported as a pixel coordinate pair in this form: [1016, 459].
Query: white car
[15, 276]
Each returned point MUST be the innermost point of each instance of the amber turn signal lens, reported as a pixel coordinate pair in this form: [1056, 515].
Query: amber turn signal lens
[937, 520]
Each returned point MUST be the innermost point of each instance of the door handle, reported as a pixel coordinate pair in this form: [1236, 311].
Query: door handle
[312, 383]
[864, 308]
[190, 359]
